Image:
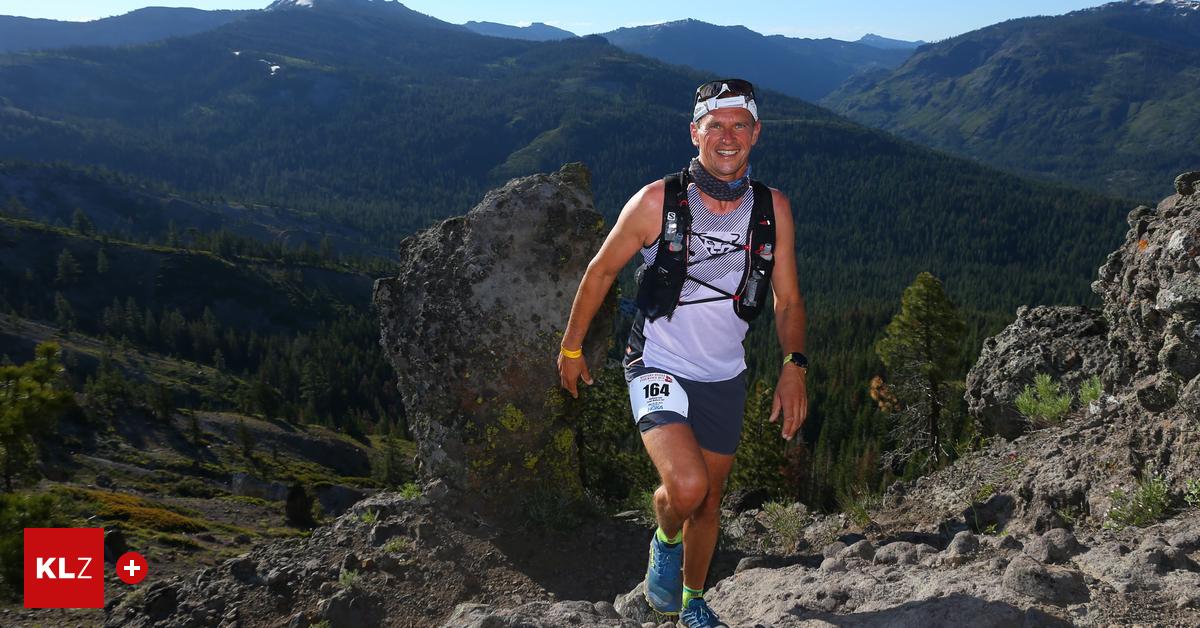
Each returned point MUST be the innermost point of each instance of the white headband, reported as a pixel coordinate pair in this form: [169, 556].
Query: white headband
[704, 107]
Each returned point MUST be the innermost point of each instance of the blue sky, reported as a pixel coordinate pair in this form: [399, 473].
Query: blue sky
[915, 19]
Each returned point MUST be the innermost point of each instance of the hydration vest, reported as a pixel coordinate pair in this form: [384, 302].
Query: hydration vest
[661, 284]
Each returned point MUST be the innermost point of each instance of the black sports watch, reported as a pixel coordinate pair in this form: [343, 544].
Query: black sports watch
[797, 358]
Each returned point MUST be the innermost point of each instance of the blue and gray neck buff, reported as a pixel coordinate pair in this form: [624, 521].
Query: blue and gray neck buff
[716, 188]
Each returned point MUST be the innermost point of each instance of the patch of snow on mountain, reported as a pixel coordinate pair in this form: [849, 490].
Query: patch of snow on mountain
[1179, 4]
[270, 66]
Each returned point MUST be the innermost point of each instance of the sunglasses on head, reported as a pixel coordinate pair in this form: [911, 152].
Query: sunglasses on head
[724, 93]
[734, 87]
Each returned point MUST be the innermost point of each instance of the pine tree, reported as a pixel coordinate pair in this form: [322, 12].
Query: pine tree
[389, 461]
[31, 397]
[762, 455]
[326, 249]
[64, 314]
[101, 262]
[162, 401]
[81, 223]
[246, 439]
[68, 269]
[920, 351]
[194, 429]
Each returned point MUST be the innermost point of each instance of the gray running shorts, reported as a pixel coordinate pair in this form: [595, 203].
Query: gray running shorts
[714, 410]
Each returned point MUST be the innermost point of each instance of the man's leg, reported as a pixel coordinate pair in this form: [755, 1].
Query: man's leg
[681, 465]
[701, 529]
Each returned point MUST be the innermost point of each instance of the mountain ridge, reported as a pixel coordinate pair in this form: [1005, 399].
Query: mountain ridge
[878, 41]
[537, 31]
[803, 68]
[1103, 96]
[136, 27]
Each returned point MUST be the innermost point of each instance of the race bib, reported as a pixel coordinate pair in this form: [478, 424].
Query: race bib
[654, 392]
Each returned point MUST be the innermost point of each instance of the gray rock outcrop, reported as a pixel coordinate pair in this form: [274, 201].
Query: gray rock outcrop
[472, 326]
[1067, 342]
[1151, 292]
[1147, 340]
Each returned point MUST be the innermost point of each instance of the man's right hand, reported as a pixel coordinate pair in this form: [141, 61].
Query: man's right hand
[570, 371]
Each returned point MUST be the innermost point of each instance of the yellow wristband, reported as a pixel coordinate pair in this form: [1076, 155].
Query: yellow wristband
[569, 353]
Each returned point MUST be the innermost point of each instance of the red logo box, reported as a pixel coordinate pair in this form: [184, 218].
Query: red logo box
[64, 568]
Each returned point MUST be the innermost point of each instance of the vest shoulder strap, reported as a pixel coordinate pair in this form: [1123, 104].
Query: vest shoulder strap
[764, 204]
[675, 201]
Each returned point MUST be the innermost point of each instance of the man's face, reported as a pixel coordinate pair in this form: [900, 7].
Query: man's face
[724, 138]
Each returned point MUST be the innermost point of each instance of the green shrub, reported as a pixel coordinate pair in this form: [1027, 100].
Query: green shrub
[1192, 494]
[1090, 390]
[348, 578]
[1146, 504]
[192, 487]
[177, 540]
[410, 490]
[785, 525]
[396, 545]
[1045, 402]
[1070, 514]
[857, 504]
[369, 517]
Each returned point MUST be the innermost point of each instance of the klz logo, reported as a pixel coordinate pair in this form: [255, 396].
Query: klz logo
[64, 568]
[45, 568]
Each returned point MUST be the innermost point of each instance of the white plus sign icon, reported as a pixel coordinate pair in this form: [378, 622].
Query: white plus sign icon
[131, 568]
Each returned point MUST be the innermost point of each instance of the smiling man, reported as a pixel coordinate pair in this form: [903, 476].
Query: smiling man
[713, 241]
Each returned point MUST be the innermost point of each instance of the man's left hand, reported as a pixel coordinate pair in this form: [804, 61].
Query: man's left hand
[791, 399]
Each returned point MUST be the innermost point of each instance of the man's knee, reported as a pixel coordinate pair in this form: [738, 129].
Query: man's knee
[710, 506]
[686, 493]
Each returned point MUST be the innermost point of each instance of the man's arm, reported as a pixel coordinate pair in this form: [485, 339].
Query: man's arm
[638, 225]
[791, 393]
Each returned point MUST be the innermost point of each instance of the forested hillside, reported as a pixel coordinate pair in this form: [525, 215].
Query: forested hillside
[296, 329]
[1103, 97]
[136, 209]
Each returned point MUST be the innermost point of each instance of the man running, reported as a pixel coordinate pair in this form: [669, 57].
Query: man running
[712, 241]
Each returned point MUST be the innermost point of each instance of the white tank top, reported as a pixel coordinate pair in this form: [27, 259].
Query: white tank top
[703, 341]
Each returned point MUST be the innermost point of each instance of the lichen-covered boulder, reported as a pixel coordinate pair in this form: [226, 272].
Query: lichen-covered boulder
[472, 325]
[1151, 292]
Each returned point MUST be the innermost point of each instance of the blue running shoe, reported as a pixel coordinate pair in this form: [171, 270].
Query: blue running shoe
[664, 577]
[699, 615]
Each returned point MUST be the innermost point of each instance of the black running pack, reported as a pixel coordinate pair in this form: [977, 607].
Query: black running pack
[660, 285]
